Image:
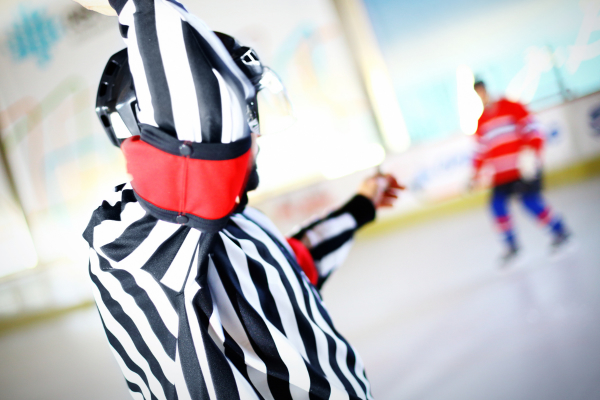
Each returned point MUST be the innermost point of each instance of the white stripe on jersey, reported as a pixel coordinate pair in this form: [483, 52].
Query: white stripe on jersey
[190, 291]
[491, 134]
[233, 117]
[175, 275]
[330, 228]
[226, 109]
[333, 260]
[142, 90]
[177, 70]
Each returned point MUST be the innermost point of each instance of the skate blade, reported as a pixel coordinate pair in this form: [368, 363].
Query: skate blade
[564, 250]
[513, 262]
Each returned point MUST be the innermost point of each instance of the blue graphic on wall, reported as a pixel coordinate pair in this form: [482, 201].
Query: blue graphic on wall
[33, 35]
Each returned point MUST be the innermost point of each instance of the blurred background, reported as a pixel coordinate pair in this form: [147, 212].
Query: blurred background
[372, 82]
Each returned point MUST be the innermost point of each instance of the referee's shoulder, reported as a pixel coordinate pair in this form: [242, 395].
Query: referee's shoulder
[122, 193]
[113, 203]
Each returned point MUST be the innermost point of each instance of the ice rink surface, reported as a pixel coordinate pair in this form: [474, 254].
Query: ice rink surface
[427, 307]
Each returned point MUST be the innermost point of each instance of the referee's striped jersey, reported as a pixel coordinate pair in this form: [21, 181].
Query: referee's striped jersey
[233, 317]
[247, 324]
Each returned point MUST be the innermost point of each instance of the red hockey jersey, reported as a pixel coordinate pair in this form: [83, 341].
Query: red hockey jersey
[503, 130]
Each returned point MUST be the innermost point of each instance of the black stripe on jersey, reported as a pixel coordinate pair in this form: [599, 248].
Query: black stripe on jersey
[256, 329]
[129, 285]
[360, 207]
[127, 196]
[331, 345]
[132, 366]
[220, 370]
[318, 383]
[329, 246]
[123, 30]
[133, 387]
[190, 365]
[208, 92]
[267, 301]
[108, 212]
[351, 363]
[130, 239]
[145, 29]
[117, 5]
[160, 261]
[104, 263]
[130, 327]
[102, 213]
[235, 354]
[350, 356]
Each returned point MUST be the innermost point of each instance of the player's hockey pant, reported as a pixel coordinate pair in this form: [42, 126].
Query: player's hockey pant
[531, 197]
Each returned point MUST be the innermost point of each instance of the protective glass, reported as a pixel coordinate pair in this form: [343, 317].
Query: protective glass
[274, 107]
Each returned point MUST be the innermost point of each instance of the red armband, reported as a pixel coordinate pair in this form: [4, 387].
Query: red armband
[305, 260]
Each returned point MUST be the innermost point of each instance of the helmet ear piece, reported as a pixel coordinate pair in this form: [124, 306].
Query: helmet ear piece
[228, 41]
[249, 63]
[245, 58]
[116, 101]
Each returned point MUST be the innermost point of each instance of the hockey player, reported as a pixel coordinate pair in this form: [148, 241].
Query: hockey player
[510, 141]
[200, 296]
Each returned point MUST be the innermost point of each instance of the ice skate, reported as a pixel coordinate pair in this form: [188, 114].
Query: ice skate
[560, 241]
[509, 257]
[562, 245]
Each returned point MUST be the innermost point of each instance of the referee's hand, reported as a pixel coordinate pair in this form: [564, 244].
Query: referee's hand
[382, 189]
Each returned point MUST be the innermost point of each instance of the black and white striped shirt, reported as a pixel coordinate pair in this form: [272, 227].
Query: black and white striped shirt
[249, 325]
[245, 322]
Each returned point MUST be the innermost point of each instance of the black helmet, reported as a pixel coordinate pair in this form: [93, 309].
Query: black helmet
[116, 101]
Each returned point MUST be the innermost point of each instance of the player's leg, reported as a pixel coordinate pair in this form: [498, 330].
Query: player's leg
[536, 205]
[499, 205]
